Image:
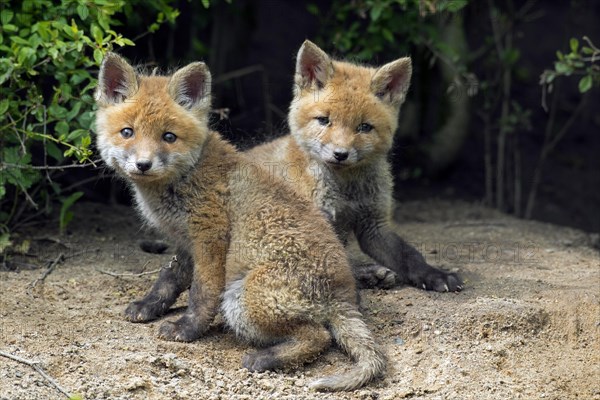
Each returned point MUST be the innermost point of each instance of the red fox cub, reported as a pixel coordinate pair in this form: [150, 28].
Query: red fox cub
[249, 246]
[342, 120]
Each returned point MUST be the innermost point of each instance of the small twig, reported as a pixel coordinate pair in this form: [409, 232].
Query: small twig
[5, 165]
[128, 274]
[132, 275]
[39, 370]
[48, 270]
[52, 266]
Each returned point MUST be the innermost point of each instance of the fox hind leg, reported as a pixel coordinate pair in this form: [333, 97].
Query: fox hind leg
[289, 343]
[303, 344]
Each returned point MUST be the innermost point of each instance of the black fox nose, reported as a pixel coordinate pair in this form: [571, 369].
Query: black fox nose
[143, 165]
[340, 155]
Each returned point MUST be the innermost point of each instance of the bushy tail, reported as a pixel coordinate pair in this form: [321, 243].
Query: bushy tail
[353, 335]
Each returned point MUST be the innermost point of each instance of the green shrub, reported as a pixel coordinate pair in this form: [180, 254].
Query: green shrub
[48, 53]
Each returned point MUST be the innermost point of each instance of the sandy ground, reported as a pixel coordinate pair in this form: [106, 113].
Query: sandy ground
[526, 326]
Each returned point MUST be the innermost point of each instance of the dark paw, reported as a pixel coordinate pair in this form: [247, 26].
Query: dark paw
[441, 281]
[261, 360]
[374, 276]
[144, 310]
[182, 330]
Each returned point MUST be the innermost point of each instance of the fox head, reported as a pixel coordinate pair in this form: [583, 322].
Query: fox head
[345, 114]
[151, 128]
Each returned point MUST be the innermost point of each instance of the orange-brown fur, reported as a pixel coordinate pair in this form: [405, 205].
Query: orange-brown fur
[342, 121]
[248, 245]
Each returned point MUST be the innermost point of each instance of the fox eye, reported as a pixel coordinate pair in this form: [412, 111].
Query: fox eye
[169, 137]
[127, 133]
[324, 121]
[364, 128]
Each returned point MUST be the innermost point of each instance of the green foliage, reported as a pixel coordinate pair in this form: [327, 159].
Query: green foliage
[65, 215]
[47, 52]
[365, 28]
[581, 60]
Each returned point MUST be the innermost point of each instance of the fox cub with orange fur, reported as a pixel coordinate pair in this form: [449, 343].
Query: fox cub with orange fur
[249, 246]
[342, 120]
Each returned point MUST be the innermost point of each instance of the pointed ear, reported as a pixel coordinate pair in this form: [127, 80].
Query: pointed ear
[117, 80]
[313, 66]
[190, 86]
[390, 82]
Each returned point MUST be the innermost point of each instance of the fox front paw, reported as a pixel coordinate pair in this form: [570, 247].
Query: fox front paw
[144, 310]
[440, 281]
[182, 330]
[374, 276]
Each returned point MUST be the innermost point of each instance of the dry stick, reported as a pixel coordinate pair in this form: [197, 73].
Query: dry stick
[35, 366]
[5, 165]
[131, 274]
[52, 265]
[48, 270]
[547, 147]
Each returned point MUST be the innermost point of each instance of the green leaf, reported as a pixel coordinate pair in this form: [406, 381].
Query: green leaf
[511, 56]
[376, 11]
[128, 42]
[206, 3]
[83, 12]
[6, 16]
[96, 33]
[3, 106]
[587, 50]
[9, 28]
[574, 43]
[54, 151]
[76, 134]
[57, 111]
[65, 215]
[562, 68]
[98, 56]
[388, 35]
[74, 111]
[62, 128]
[313, 9]
[19, 40]
[5, 242]
[455, 5]
[585, 84]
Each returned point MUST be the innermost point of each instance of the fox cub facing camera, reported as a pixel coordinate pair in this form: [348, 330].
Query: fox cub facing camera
[249, 247]
[342, 120]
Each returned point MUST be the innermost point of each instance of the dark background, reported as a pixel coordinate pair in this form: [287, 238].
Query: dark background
[262, 38]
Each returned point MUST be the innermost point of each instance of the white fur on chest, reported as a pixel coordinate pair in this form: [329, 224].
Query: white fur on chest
[162, 211]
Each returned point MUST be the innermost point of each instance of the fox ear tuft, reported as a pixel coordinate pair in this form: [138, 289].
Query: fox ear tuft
[313, 66]
[391, 81]
[117, 80]
[190, 86]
